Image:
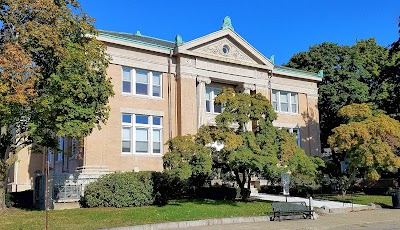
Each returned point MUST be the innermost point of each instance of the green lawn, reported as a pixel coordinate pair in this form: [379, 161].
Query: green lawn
[94, 218]
[359, 199]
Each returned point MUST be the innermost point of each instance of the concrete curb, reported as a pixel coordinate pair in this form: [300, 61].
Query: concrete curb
[326, 210]
[195, 223]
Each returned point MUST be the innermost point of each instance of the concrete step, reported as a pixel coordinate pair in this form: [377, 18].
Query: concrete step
[69, 205]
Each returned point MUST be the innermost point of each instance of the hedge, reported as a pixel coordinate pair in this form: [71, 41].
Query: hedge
[120, 190]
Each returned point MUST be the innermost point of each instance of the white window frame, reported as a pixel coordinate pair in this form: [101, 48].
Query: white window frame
[277, 94]
[212, 99]
[150, 127]
[132, 72]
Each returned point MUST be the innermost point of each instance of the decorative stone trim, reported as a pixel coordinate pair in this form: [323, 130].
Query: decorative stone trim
[142, 111]
[207, 80]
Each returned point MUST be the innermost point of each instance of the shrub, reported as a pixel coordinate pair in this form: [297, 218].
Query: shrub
[271, 189]
[218, 193]
[8, 200]
[166, 187]
[120, 190]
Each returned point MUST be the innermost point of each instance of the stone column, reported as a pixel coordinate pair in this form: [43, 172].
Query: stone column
[201, 99]
[246, 88]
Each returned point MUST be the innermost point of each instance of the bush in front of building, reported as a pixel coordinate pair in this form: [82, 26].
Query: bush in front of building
[8, 201]
[219, 193]
[166, 187]
[119, 190]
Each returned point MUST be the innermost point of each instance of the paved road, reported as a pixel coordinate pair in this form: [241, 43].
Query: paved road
[386, 219]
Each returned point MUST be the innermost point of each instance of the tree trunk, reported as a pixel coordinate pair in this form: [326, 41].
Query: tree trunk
[3, 187]
[350, 181]
[248, 180]
[241, 182]
[398, 178]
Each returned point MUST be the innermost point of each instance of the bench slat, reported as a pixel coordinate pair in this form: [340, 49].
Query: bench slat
[290, 208]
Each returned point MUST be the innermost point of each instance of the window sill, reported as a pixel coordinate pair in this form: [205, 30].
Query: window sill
[213, 113]
[288, 113]
[142, 154]
[142, 96]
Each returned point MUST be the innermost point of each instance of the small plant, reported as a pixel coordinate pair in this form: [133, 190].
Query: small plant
[8, 200]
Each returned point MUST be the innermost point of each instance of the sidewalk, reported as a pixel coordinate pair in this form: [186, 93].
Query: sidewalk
[316, 202]
[365, 220]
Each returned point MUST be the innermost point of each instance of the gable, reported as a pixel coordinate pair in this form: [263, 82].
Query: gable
[225, 48]
[214, 46]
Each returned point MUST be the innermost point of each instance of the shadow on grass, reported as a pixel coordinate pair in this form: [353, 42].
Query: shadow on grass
[217, 202]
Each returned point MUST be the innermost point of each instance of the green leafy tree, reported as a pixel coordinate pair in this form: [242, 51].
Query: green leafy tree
[351, 75]
[187, 159]
[243, 153]
[392, 73]
[52, 76]
[368, 141]
[264, 150]
[290, 158]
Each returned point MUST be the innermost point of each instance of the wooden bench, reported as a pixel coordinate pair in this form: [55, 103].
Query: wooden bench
[290, 209]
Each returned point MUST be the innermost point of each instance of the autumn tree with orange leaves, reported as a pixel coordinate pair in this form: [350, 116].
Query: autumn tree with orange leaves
[369, 141]
[52, 77]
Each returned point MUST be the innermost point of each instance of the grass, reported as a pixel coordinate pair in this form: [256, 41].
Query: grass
[359, 199]
[95, 218]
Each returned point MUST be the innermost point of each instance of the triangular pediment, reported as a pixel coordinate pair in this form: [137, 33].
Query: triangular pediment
[226, 45]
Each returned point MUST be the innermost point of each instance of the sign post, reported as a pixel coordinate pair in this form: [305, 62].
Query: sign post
[285, 180]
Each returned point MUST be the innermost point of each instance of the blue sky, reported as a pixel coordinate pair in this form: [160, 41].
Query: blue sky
[281, 28]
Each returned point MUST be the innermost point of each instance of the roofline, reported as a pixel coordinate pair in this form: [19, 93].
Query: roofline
[296, 73]
[113, 37]
[141, 35]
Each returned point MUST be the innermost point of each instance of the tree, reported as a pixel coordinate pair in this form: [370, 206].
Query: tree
[290, 158]
[351, 75]
[246, 153]
[392, 74]
[368, 141]
[187, 159]
[53, 76]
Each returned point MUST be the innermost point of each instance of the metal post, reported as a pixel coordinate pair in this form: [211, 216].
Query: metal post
[47, 190]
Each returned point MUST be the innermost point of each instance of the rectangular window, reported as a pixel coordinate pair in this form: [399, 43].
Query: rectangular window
[126, 80]
[156, 84]
[156, 141]
[208, 99]
[211, 106]
[143, 136]
[60, 148]
[142, 140]
[141, 82]
[298, 139]
[50, 156]
[286, 102]
[296, 131]
[293, 102]
[274, 100]
[126, 139]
